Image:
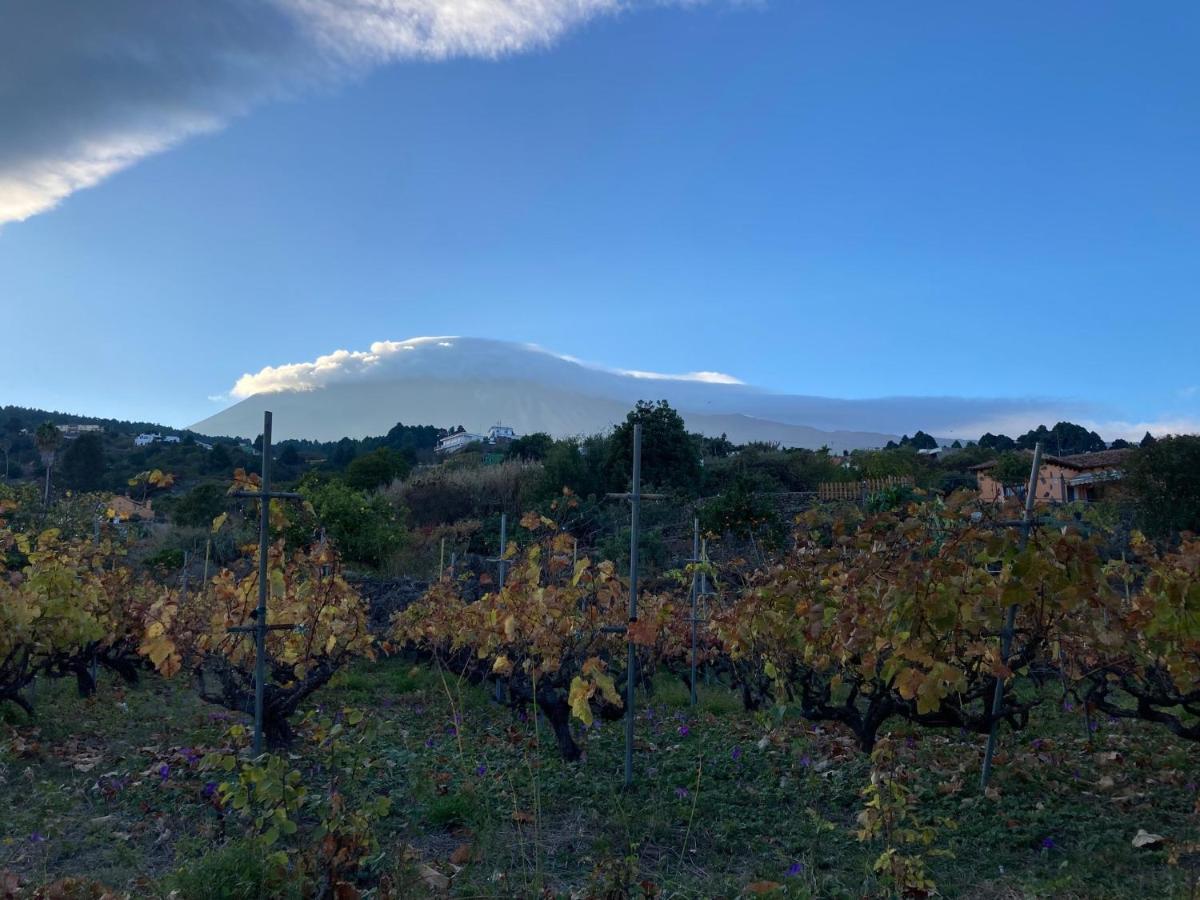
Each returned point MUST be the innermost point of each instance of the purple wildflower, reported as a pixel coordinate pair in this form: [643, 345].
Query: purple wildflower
[1093, 726]
[735, 754]
[210, 788]
[794, 869]
[910, 742]
[190, 756]
[37, 838]
[806, 760]
[1191, 786]
[164, 771]
[481, 770]
[429, 742]
[1036, 743]
[684, 731]
[681, 792]
[1047, 843]
[1068, 706]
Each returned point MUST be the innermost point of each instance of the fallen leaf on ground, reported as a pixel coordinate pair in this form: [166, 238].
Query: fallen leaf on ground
[433, 878]
[763, 887]
[1144, 838]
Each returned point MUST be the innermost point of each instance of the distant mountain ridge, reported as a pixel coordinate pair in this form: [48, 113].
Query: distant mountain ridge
[478, 382]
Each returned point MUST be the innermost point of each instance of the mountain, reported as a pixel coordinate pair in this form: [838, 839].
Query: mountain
[477, 382]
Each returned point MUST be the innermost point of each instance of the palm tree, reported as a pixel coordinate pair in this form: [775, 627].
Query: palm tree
[48, 438]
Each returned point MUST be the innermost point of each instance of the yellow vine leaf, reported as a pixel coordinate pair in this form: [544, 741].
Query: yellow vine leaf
[581, 693]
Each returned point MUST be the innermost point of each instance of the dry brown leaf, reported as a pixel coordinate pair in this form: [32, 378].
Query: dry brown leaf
[763, 887]
[433, 878]
[1144, 838]
[461, 855]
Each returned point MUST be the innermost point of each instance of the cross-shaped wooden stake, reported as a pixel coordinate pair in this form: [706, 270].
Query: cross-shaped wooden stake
[260, 627]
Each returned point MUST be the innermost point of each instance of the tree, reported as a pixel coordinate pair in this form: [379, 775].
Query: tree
[1012, 469]
[219, 459]
[48, 439]
[411, 439]
[199, 506]
[365, 529]
[343, 453]
[379, 467]
[1147, 440]
[997, 442]
[83, 462]
[919, 441]
[1164, 477]
[717, 448]
[669, 457]
[290, 455]
[577, 465]
[1064, 439]
[531, 446]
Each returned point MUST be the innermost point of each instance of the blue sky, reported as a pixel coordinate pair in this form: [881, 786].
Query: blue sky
[825, 198]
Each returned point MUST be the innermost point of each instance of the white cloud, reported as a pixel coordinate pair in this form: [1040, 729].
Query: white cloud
[1109, 429]
[1135, 431]
[88, 89]
[339, 365]
[347, 365]
[706, 377]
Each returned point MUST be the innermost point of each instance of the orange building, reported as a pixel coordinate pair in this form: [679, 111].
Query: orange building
[124, 508]
[1062, 479]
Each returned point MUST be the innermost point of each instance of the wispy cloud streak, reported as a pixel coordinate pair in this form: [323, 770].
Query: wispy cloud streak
[89, 88]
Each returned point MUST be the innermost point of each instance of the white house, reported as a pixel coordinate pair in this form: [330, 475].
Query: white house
[145, 440]
[171, 439]
[500, 433]
[452, 443]
[72, 430]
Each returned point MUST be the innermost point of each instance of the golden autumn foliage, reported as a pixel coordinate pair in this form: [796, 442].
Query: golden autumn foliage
[328, 619]
[64, 601]
[900, 615]
[550, 634]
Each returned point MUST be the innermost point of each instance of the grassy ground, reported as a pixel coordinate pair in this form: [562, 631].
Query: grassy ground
[111, 788]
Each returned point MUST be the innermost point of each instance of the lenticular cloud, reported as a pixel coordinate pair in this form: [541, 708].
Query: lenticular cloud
[87, 89]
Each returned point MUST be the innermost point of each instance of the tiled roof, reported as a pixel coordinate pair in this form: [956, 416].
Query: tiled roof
[1100, 459]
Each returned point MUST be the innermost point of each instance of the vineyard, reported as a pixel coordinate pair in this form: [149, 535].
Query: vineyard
[472, 744]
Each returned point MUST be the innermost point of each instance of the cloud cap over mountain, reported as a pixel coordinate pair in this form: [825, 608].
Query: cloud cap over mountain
[475, 382]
